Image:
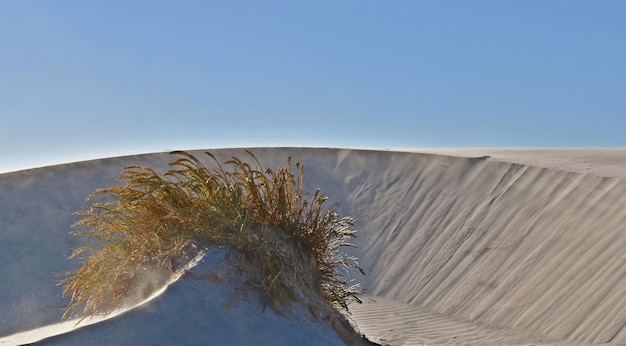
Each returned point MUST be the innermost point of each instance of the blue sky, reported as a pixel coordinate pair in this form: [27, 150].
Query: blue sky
[87, 79]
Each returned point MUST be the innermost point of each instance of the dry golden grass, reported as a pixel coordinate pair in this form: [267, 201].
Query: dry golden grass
[151, 226]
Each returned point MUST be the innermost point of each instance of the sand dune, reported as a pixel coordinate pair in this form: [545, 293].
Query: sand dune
[523, 247]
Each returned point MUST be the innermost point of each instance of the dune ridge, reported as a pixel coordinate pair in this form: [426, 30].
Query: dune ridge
[456, 249]
[47, 331]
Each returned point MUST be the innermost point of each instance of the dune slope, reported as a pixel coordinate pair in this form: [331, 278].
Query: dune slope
[509, 246]
[456, 249]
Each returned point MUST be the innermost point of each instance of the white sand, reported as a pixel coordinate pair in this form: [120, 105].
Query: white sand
[604, 162]
[525, 247]
[40, 333]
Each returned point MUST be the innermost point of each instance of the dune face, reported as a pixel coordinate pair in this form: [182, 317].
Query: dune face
[457, 250]
[510, 246]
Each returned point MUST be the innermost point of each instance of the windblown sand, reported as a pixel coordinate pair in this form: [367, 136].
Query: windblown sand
[521, 247]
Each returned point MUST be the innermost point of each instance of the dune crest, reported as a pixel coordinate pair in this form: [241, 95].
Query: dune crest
[51, 330]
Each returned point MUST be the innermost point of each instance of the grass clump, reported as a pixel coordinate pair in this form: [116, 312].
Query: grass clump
[148, 229]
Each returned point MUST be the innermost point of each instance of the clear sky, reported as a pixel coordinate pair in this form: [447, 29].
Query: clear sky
[87, 79]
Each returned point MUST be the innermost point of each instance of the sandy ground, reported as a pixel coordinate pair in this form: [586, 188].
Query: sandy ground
[522, 247]
[604, 162]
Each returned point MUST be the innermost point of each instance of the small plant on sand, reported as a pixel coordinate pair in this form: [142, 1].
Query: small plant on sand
[148, 229]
